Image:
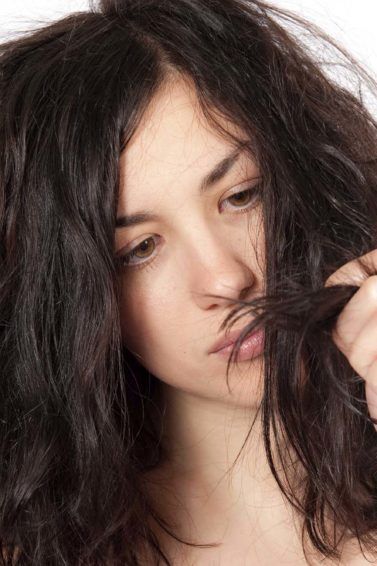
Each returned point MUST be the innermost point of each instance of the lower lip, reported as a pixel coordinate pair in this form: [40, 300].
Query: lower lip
[252, 347]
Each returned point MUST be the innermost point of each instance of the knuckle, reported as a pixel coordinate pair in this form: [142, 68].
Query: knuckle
[370, 287]
[353, 356]
[339, 340]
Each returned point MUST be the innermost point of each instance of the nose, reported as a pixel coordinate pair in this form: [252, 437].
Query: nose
[219, 275]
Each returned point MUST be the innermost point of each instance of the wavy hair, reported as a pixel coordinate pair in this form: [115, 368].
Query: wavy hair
[79, 423]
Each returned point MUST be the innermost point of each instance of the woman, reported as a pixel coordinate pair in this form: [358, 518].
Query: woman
[169, 170]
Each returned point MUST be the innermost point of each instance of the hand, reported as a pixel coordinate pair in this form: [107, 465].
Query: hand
[355, 333]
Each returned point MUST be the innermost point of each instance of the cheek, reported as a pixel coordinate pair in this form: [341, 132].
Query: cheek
[146, 313]
[137, 314]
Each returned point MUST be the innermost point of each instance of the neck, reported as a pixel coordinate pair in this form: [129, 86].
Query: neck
[209, 493]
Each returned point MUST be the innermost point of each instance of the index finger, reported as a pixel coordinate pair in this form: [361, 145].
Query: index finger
[352, 273]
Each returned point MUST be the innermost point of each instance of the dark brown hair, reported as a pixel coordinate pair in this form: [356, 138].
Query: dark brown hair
[78, 425]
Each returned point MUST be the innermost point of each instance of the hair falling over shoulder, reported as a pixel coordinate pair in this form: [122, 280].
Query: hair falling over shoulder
[77, 422]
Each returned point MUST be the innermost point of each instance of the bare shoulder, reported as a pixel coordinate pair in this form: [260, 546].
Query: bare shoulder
[355, 557]
[362, 560]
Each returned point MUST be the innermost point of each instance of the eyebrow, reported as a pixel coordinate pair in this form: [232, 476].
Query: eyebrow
[210, 179]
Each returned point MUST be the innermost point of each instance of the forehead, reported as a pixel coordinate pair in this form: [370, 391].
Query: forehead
[173, 143]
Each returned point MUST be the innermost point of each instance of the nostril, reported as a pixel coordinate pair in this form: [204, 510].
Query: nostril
[244, 293]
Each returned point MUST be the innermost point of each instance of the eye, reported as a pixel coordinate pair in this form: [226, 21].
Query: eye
[143, 254]
[142, 251]
[244, 200]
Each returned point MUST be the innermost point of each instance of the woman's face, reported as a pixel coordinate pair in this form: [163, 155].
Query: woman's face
[199, 242]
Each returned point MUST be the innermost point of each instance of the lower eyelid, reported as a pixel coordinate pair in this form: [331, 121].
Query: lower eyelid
[121, 260]
[254, 192]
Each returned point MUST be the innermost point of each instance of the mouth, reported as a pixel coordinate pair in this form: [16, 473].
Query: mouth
[251, 347]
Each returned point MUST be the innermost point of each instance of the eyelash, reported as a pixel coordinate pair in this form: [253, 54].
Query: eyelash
[122, 260]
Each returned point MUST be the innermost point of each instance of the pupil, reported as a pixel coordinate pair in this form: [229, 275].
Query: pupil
[143, 247]
[241, 196]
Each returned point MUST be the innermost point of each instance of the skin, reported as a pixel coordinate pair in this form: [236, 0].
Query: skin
[355, 333]
[203, 246]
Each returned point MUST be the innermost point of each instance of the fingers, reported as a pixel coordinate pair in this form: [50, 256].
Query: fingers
[355, 316]
[355, 332]
[371, 391]
[351, 273]
[361, 348]
[356, 336]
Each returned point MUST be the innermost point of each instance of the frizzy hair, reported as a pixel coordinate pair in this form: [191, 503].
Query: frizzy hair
[78, 418]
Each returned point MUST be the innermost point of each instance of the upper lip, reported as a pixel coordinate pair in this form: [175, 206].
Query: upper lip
[227, 340]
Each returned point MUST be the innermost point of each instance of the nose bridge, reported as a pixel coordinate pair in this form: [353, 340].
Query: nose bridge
[216, 265]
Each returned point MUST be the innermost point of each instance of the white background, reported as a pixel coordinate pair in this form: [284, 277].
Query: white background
[353, 22]
[350, 22]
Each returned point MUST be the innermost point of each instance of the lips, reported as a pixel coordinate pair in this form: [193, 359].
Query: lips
[226, 341]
